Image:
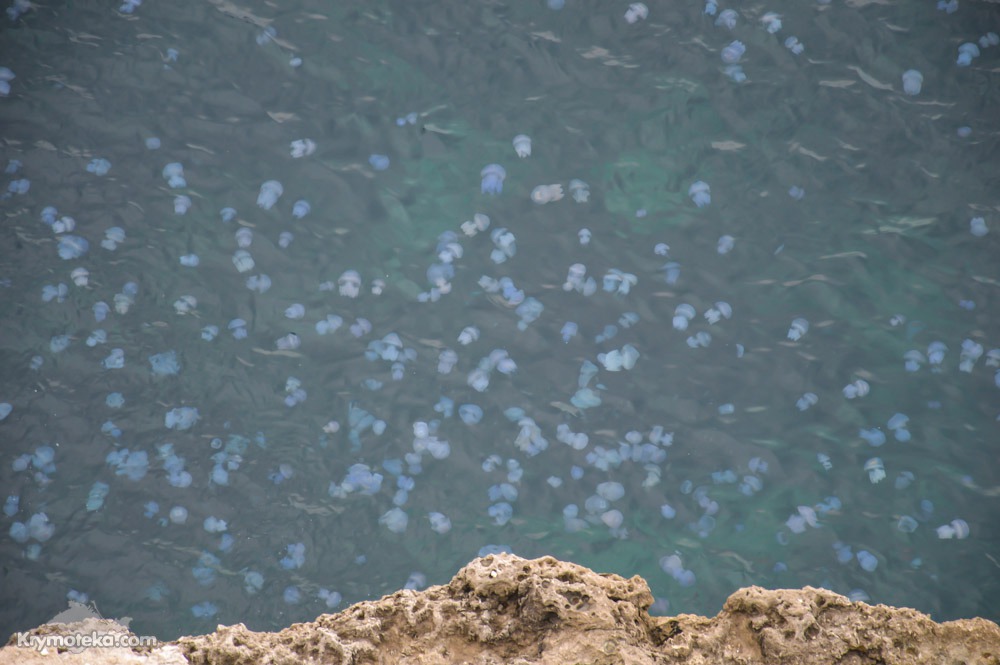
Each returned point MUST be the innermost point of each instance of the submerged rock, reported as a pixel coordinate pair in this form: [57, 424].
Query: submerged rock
[501, 608]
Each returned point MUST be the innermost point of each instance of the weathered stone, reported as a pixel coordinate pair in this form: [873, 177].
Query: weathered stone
[504, 609]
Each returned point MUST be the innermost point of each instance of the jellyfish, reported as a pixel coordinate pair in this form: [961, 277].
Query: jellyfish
[349, 284]
[771, 22]
[522, 145]
[637, 11]
[302, 148]
[912, 81]
[966, 53]
[270, 192]
[493, 176]
[726, 19]
[579, 190]
[732, 53]
[300, 209]
[546, 194]
[700, 193]
[173, 173]
[726, 244]
[72, 247]
[875, 469]
[798, 328]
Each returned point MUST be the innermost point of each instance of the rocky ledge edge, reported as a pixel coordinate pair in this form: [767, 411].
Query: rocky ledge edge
[505, 609]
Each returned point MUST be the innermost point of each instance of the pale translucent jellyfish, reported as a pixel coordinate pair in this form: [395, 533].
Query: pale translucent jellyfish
[914, 359]
[522, 145]
[395, 520]
[700, 193]
[477, 224]
[259, 283]
[579, 190]
[630, 355]
[173, 173]
[574, 277]
[243, 261]
[185, 304]
[875, 469]
[612, 518]
[935, 352]
[961, 528]
[439, 523]
[858, 388]
[720, 311]
[378, 285]
[470, 414]
[726, 244]
[244, 237]
[866, 560]
[898, 420]
[289, 342]
[546, 194]
[771, 21]
[912, 81]
[112, 238]
[505, 243]
[584, 236]
[611, 491]
[80, 276]
[875, 437]
[447, 360]
[64, 224]
[966, 53]
[468, 335]
[303, 148]
[478, 380]
[349, 284]
[637, 11]
[683, 313]
[492, 176]
[214, 524]
[977, 227]
[796, 524]
[360, 327]
[794, 45]
[732, 53]
[726, 19]
[628, 280]
[798, 328]
[270, 192]
[807, 400]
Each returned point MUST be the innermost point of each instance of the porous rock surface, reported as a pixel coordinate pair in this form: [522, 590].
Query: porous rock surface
[504, 609]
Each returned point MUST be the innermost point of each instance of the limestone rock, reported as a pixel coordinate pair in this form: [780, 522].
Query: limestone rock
[504, 609]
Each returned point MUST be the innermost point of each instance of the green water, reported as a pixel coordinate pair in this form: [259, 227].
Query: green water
[640, 112]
